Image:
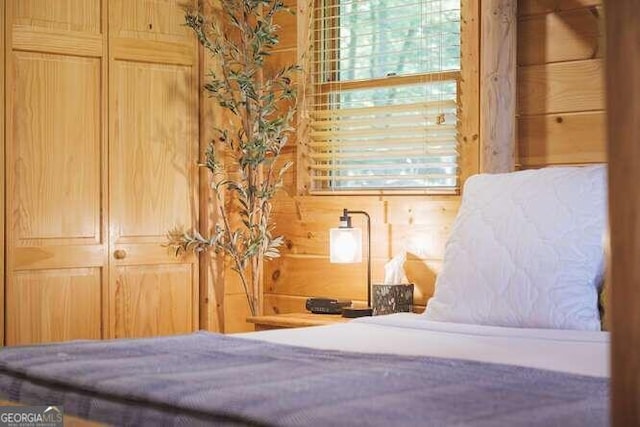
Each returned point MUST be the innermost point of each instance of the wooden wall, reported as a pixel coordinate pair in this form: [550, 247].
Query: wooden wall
[560, 120]
[417, 224]
[498, 52]
[560, 82]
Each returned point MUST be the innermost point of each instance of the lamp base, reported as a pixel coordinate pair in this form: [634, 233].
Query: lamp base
[353, 312]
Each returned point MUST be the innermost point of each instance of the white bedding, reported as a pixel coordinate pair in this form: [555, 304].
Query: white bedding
[579, 352]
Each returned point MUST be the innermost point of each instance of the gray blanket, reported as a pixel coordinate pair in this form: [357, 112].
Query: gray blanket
[206, 378]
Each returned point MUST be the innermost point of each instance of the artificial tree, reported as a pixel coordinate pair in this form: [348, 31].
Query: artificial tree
[260, 104]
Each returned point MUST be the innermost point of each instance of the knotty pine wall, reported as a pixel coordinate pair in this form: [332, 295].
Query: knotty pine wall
[561, 118]
[560, 121]
[417, 224]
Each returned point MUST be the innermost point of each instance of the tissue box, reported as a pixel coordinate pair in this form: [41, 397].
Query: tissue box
[387, 299]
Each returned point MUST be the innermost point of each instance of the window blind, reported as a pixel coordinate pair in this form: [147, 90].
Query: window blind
[384, 88]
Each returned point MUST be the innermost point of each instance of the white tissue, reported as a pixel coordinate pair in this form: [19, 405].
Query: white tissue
[394, 270]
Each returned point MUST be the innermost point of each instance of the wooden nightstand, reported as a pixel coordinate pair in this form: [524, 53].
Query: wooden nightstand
[294, 320]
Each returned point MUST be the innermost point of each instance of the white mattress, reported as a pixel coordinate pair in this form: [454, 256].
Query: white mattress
[579, 352]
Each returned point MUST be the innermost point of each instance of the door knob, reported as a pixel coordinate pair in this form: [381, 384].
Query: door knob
[120, 254]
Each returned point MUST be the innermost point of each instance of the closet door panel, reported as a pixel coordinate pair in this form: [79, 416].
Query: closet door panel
[161, 20]
[98, 171]
[150, 300]
[72, 27]
[54, 198]
[55, 305]
[56, 154]
[152, 160]
[152, 189]
[69, 15]
[153, 182]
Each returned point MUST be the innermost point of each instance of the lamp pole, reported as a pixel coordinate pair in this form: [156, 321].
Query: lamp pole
[346, 220]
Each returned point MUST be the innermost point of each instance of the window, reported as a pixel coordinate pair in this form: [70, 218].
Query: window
[383, 94]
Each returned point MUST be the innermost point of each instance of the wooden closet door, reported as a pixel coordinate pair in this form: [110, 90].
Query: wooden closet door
[55, 170]
[153, 143]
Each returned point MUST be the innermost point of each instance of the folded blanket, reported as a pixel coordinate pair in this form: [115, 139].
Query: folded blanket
[207, 378]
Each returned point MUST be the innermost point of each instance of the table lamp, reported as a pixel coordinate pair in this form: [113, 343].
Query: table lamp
[345, 247]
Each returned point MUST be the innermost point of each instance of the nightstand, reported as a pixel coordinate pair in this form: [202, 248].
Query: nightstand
[294, 320]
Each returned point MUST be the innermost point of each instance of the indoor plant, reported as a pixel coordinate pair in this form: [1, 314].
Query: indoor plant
[259, 107]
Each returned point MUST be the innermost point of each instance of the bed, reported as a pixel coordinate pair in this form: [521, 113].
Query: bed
[508, 339]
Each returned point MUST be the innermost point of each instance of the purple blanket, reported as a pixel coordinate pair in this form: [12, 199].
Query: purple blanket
[206, 378]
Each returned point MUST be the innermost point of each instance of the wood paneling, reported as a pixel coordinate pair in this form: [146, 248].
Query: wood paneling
[56, 41]
[531, 7]
[403, 233]
[558, 37]
[93, 172]
[236, 311]
[50, 255]
[561, 87]
[416, 224]
[278, 60]
[560, 82]
[419, 226]
[54, 305]
[405, 209]
[623, 106]
[469, 87]
[423, 241]
[315, 276]
[53, 134]
[312, 237]
[319, 208]
[160, 20]
[498, 85]
[413, 210]
[152, 51]
[151, 300]
[152, 156]
[562, 139]
[153, 140]
[69, 15]
[277, 304]
[55, 221]
[557, 75]
[288, 22]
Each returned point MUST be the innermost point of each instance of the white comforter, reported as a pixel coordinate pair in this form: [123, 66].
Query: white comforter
[579, 352]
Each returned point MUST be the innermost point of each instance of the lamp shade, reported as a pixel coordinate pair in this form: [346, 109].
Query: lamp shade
[345, 245]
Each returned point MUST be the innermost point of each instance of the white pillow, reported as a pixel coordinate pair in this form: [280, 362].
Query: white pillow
[526, 250]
